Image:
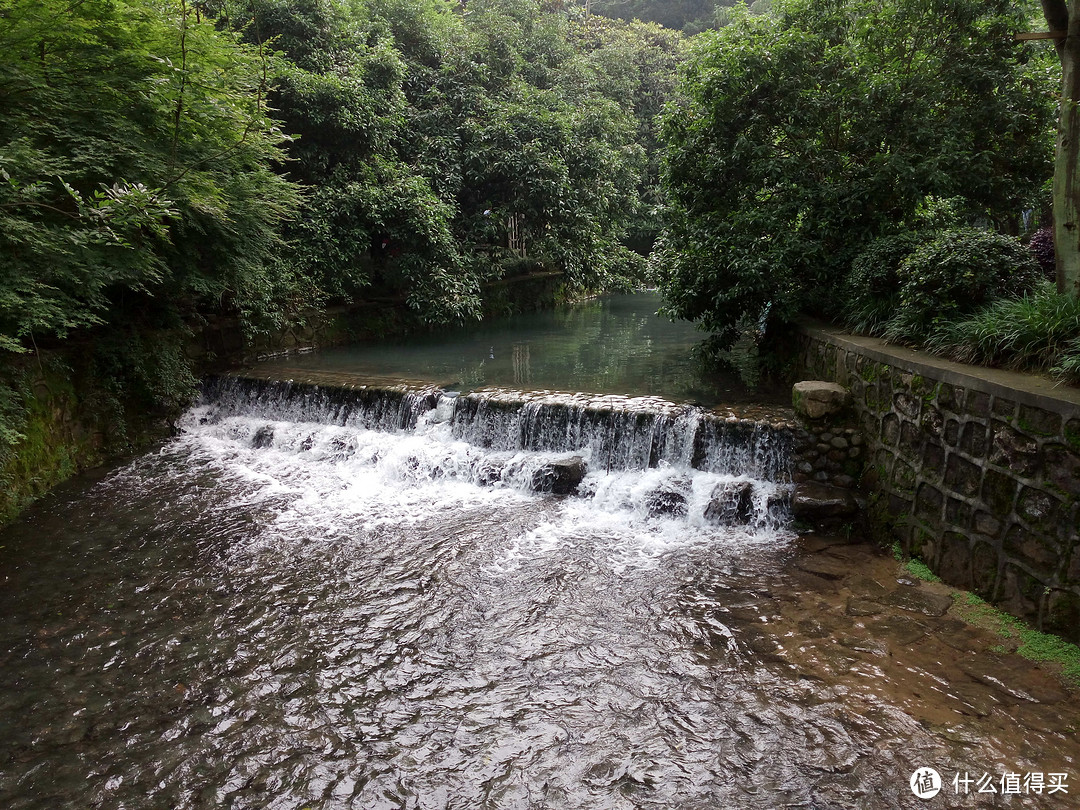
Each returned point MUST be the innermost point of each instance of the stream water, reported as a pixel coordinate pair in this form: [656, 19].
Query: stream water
[613, 344]
[312, 601]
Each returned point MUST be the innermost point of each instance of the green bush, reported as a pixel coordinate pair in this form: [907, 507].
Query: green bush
[873, 285]
[953, 275]
[1039, 331]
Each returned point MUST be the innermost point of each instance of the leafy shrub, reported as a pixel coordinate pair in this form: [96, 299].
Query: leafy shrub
[1041, 246]
[1040, 331]
[873, 286]
[953, 275]
[1068, 362]
[141, 375]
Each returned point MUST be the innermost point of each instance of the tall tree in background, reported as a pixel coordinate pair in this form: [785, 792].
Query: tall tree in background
[1062, 16]
[800, 138]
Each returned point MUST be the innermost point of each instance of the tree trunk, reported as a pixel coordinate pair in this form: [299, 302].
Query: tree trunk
[1067, 157]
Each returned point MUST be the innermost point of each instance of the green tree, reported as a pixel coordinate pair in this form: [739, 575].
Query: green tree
[136, 175]
[800, 137]
[1064, 18]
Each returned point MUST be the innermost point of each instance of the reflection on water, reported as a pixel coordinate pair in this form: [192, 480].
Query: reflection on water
[612, 344]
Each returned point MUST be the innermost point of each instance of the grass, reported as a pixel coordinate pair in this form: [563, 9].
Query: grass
[1025, 641]
[918, 569]
[1038, 332]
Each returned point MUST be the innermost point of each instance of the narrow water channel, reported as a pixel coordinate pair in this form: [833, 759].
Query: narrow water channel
[295, 604]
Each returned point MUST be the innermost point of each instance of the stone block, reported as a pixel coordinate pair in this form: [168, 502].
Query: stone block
[932, 421]
[1028, 547]
[1038, 509]
[731, 504]
[1019, 593]
[933, 460]
[1038, 422]
[890, 430]
[977, 403]
[1062, 468]
[928, 503]
[1071, 432]
[955, 564]
[1062, 613]
[985, 567]
[958, 512]
[817, 399]
[872, 397]
[950, 398]
[985, 523]
[999, 492]
[1072, 574]
[961, 476]
[814, 502]
[1014, 450]
[903, 477]
[906, 405]
[951, 432]
[898, 504]
[974, 439]
[1004, 408]
[560, 477]
[910, 437]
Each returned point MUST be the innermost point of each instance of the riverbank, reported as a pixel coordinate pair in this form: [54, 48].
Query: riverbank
[100, 398]
[975, 471]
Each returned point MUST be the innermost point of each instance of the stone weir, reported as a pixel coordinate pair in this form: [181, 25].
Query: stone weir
[747, 457]
[620, 433]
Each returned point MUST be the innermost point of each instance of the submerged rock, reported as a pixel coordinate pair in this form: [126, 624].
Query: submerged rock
[264, 437]
[489, 472]
[731, 504]
[816, 502]
[669, 499]
[816, 398]
[560, 477]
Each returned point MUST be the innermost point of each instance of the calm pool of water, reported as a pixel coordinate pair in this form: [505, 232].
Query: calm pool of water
[612, 344]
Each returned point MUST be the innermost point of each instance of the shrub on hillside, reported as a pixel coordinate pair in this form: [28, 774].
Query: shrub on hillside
[873, 285]
[955, 274]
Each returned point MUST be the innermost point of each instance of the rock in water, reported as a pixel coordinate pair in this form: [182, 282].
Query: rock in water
[815, 398]
[731, 504]
[560, 477]
[264, 437]
[669, 499]
[816, 502]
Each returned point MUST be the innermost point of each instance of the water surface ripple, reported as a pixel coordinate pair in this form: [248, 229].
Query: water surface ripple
[334, 624]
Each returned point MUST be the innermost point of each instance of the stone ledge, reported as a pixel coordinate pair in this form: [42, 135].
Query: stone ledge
[1026, 389]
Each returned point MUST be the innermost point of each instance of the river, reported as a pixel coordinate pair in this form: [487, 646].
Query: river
[295, 604]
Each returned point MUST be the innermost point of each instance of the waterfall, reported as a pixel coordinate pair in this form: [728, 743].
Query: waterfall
[643, 454]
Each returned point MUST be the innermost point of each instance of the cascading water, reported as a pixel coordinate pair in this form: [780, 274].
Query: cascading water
[638, 455]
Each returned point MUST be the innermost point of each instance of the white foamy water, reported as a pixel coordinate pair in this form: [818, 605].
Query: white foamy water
[433, 458]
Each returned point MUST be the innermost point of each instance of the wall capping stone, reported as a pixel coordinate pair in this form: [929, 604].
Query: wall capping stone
[1027, 389]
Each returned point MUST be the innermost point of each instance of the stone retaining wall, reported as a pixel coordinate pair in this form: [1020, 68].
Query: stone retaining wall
[975, 471]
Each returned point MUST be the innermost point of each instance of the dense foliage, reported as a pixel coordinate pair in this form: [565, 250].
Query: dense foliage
[443, 147]
[165, 161]
[166, 157]
[800, 137]
[1039, 331]
[952, 275]
[137, 166]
